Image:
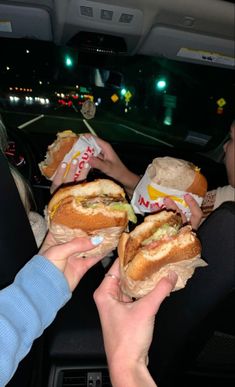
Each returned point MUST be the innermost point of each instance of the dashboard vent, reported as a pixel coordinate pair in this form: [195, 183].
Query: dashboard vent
[86, 378]
[80, 377]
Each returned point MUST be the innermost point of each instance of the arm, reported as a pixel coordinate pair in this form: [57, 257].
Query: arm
[107, 162]
[128, 328]
[131, 375]
[31, 302]
[26, 310]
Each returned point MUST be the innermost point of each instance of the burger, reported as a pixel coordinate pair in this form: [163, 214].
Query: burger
[159, 244]
[177, 174]
[168, 177]
[89, 208]
[56, 152]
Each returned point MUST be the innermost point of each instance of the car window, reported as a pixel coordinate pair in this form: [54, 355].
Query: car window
[136, 98]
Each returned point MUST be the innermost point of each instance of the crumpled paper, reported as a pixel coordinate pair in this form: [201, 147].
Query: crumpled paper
[149, 197]
[183, 269]
[82, 150]
[111, 237]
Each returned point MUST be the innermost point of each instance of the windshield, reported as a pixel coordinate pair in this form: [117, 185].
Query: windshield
[135, 99]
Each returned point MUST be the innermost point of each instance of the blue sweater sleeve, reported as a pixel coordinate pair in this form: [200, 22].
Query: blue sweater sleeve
[27, 307]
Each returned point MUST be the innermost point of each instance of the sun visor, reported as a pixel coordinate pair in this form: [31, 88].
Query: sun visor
[187, 46]
[25, 22]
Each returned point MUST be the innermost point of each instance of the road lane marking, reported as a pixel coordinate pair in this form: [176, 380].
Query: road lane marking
[91, 129]
[147, 135]
[30, 121]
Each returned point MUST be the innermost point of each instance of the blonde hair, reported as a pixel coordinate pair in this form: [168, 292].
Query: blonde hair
[24, 189]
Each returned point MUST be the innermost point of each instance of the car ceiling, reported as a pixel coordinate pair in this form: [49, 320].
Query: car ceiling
[199, 31]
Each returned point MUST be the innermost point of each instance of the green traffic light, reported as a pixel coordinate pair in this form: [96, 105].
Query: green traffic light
[123, 91]
[68, 61]
[161, 84]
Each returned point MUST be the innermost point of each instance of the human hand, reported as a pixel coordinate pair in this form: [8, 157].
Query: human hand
[107, 162]
[111, 165]
[196, 212]
[60, 179]
[63, 256]
[128, 326]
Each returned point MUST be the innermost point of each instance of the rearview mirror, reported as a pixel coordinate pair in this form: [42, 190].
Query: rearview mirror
[101, 77]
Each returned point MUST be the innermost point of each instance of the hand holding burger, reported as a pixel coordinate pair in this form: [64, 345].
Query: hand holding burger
[56, 152]
[89, 208]
[169, 177]
[154, 247]
[123, 322]
[66, 159]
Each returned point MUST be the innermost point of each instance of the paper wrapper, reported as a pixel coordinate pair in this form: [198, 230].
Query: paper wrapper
[111, 237]
[82, 150]
[184, 270]
[149, 197]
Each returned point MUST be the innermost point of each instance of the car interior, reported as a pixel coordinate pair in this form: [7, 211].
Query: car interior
[109, 41]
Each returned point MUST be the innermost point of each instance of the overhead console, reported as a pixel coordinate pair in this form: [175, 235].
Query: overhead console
[95, 25]
[98, 43]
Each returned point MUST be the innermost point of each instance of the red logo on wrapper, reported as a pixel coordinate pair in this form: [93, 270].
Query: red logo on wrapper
[84, 158]
[82, 151]
[148, 197]
[152, 206]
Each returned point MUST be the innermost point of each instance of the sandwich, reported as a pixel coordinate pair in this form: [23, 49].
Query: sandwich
[89, 208]
[177, 174]
[168, 177]
[56, 152]
[159, 244]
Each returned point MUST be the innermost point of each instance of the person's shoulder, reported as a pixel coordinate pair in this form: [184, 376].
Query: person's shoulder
[224, 194]
[226, 190]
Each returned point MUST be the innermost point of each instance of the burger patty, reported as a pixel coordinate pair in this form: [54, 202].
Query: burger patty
[106, 200]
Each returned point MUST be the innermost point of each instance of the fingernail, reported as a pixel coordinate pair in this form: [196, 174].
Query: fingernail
[96, 240]
[172, 276]
[63, 165]
[74, 161]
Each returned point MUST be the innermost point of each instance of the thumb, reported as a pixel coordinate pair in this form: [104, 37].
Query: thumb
[163, 288]
[77, 245]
